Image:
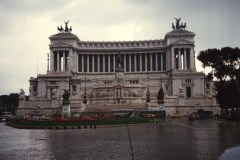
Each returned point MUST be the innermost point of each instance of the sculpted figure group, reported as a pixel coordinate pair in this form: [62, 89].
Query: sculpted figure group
[67, 29]
[178, 25]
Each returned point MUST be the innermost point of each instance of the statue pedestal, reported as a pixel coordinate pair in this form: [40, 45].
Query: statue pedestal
[54, 102]
[181, 95]
[21, 104]
[119, 75]
[21, 101]
[66, 111]
[149, 106]
[161, 106]
[83, 107]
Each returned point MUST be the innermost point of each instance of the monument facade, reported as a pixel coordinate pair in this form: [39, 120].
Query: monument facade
[120, 74]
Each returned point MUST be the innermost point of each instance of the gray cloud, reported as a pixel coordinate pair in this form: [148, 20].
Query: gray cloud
[27, 24]
[32, 6]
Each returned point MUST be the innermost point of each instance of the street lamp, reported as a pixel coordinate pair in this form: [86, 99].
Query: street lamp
[85, 92]
[148, 100]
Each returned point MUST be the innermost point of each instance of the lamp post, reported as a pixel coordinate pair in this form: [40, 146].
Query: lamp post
[85, 92]
[48, 62]
[148, 100]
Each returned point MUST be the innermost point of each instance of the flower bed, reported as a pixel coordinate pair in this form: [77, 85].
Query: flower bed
[81, 122]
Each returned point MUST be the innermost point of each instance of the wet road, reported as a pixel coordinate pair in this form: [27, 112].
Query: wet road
[172, 139]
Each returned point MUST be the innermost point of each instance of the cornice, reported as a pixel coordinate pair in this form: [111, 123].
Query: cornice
[120, 44]
[182, 42]
[60, 44]
[180, 33]
[163, 48]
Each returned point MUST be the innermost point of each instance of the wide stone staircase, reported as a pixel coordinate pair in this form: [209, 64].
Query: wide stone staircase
[110, 107]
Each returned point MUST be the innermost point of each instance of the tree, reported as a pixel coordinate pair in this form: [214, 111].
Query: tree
[10, 102]
[225, 64]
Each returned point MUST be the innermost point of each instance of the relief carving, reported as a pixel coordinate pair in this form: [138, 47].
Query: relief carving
[134, 93]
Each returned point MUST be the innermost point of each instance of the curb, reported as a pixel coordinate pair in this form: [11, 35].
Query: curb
[51, 127]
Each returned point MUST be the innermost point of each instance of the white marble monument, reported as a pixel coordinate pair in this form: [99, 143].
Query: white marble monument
[167, 63]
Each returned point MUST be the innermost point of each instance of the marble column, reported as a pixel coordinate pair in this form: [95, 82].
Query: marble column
[151, 61]
[185, 59]
[71, 63]
[124, 62]
[162, 61]
[64, 62]
[135, 62]
[192, 59]
[140, 59]
[52, 61]
[156, 61]
[114, 63]
[109, 63]
[179, 59]
[60, 61]
[67, 66]
[93, 63]
[87, 65]
[82, 63]
[173, 65]
[167, 61]
[58, 67]
[103, 56]
[146, 62]
[98, 58]
[130, 63]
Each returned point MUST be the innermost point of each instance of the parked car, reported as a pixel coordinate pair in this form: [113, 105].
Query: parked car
[14, 118]
[201, 114]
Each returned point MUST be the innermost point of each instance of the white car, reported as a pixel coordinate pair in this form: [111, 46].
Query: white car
[231, 154]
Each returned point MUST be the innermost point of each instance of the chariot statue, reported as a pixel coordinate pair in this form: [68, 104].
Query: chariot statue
[66, 29]
[179, 26]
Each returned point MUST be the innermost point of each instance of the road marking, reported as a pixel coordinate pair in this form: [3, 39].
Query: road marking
[184, 125]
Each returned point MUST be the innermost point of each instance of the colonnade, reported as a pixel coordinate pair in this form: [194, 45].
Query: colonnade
[181, 58]
[59, 61]
[132, 62]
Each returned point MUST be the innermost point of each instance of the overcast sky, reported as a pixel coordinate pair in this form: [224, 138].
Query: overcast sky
[25, 26]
